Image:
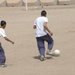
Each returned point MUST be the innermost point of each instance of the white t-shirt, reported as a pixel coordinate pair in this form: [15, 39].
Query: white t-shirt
[2, 33]
[39, 23]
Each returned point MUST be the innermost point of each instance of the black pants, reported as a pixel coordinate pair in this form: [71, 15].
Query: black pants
[2, 56]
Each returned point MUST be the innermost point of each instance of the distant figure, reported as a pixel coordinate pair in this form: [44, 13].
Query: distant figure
[43, 33]
[3, 34]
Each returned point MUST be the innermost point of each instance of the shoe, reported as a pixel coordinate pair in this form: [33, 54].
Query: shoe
[42, 58]
[49, 53]
[3, 66]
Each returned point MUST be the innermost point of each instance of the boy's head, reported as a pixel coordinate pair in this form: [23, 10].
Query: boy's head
[43, 13]
[3, 24]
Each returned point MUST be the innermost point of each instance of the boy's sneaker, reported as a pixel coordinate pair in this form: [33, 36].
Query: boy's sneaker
[3, 66]
[49, 53]
[42, 58]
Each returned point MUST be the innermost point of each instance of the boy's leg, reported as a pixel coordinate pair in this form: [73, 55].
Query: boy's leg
[41, 47]
[2, 56]
[50, 41]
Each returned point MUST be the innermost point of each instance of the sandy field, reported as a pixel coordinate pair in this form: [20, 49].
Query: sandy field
[22, 57]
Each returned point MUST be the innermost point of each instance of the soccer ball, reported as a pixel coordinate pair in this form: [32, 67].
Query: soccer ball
[56, 52]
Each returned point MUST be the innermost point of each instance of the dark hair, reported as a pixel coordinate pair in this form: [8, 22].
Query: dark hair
[43, 13]
[3, 23]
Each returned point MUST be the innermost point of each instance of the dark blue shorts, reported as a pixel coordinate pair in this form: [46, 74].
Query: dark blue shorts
[41, 45]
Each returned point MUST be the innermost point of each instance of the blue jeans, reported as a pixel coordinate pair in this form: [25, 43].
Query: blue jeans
[2, 56]
[41, 45]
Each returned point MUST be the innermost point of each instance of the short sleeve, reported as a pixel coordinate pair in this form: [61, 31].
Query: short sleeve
[3, 34]
[35, 22]
[46, 20]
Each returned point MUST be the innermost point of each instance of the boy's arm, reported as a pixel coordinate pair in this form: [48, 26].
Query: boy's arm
[34, 26]
[8, 40]
[46, 27]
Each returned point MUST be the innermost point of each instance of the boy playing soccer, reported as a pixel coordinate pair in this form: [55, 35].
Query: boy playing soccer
[40, 25]
[3, 34]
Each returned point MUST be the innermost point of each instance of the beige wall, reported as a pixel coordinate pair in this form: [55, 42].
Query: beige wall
[2, 1]
[64, 0]
[22, 2]
[47, 0]
[30, 1]
[15, 1]
[12, 1]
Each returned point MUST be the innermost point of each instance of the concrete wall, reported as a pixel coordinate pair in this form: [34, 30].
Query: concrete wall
[72, 2]
[65, 2]
[2, 3]
[12, 3]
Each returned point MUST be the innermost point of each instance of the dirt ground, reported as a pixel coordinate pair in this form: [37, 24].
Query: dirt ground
[22, 57]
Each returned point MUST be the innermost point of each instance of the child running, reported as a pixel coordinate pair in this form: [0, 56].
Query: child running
[2, 53]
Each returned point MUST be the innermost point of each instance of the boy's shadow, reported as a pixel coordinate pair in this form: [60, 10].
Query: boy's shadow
[46, 58]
